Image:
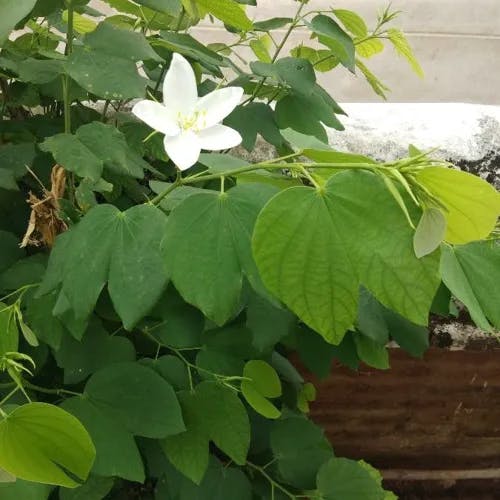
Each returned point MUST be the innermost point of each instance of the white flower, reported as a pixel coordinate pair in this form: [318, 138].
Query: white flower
[190, 123]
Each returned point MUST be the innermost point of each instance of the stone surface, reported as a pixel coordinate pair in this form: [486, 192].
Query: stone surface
[466, 134]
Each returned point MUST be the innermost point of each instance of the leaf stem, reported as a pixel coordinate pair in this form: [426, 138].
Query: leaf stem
[11, 393]
[66, 78]
[272, 482]
[57, 392]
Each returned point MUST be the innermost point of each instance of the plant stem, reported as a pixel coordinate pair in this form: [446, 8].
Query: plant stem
[11, 393]
[272, 482]
[296, 19]
[66, 78]
[57, 392]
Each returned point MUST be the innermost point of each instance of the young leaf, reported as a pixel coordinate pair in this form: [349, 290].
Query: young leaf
[228, 11]
[207, 248]
[264, 383]
[9, 333]
[430, 232]
[472, 273]
[472, 205]
[116, 451]
[119, 392]
[403, 48]
[352, 22]
[43, 443]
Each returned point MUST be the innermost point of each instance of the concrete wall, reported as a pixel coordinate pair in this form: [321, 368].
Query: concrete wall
[456, 41]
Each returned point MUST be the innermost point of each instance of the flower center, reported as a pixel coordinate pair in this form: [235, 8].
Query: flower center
[195, 121]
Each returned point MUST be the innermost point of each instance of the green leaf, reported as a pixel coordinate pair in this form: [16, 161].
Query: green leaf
[255, 119]
[335, 38]
[188, 451]
[226, 420]
[369, 48]
[43, 443]
[73, 155]
[109, 145]
[11, 14]
[352, 22]
[473, 205]
[116, 450]
[344, 479]
[263, 378]
[81, 24]
[219, 482]
[212, 413]
[430, 232]
[412, 338]
[371, 321]
[9, 334]
[138, 397]
[9, 248]
[172, 369]
[14, 158]
[38, 315]
[219, 162]
[322, 60]
[378, 87]
[472, 273]
[95, 488]
[111, 40]
[128, 257]
[207, 248]
[267, 322]
[371, 352]
[105, 75]
[188, 46]
[264, 383]
[228, 11]
[39, 70]
[96, 350]
[24, 490]
[177, 323]
[403, 48]
[306, 246]
[299, 448]
[272, 24]
[260, 47]
[171, 7]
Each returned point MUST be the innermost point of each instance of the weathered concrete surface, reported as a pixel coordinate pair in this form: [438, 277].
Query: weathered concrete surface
[466, 134]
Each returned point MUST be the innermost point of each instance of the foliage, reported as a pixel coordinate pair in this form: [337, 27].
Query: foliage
[147, 317]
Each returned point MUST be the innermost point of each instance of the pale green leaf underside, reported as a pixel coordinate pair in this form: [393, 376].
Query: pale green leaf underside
[45, 444]
[314, 249]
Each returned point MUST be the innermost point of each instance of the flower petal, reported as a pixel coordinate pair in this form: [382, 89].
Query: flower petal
[214, 107]
[179, 87]
[219, 137]
[183, 149]
[156, 116]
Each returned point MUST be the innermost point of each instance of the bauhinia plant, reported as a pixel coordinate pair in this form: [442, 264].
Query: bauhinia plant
[153, 289]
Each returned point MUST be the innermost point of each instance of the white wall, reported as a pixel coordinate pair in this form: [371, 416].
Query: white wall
[456, 41]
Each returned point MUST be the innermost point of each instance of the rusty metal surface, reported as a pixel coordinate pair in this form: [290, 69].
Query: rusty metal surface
[439, 413]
